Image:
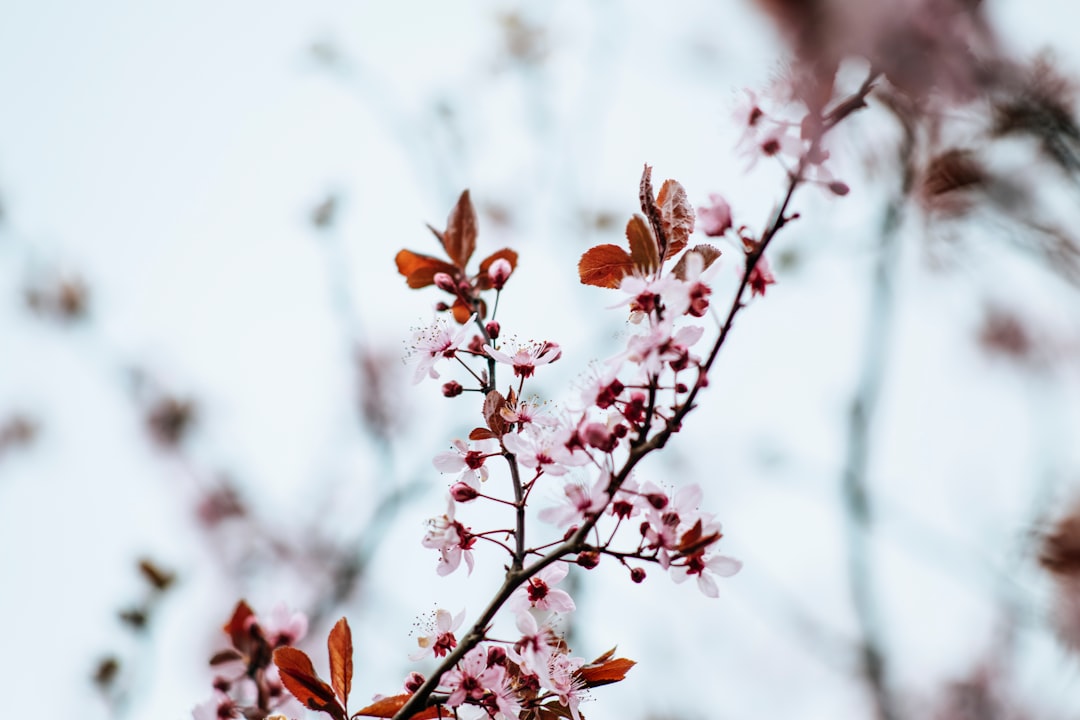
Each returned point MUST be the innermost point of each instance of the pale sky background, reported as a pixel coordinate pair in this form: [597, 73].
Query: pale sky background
[171, 153]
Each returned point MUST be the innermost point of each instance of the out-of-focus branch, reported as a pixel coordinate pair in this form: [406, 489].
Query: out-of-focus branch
[858, 504]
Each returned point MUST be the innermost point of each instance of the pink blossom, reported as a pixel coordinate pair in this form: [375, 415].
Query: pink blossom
[698, 565]
[562, 680]
[441, 640]
[435, 342]
[537, 592]
[526, 412]
[526, 359]
[218, 707]
[581, 504]
[453, 540]
[761, 276]
[473, 680]
[715, 218]
[470, 461]
[660, 345]
[535, 646]
[283, 627]
[545, 450]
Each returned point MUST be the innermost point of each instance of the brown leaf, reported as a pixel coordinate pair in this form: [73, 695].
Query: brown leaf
[644, 252]
[481, 434]
[694, 540]
[605, 673]
[604, 266]
[648, 206]
[708, 254]
[419, 270]
[460, 236]
[224, 656]
[676, 214]
[239, 627]
[388, 707]
[159, 578]
[298, 676]
[493, 405]
[482, 280]
[339, 643]
[462, 311]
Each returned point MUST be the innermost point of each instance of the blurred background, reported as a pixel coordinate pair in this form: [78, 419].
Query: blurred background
[203, 395]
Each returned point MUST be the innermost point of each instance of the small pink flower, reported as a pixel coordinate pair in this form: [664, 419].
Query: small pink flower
[441, 640]
[537, 592]
[431, 344]
[545, 449]
[698, 565]
[761, 277]
[469, 461]
[715, 218]
[581, 503]
[563, 681]
[527, 358]
[474, 681]
[218, 707]
[283, 627]
[453, 540]
[535, 646]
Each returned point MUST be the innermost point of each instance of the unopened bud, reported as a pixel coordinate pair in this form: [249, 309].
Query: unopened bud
[441, 306]
[443, 281]
[414, 682]
[839, 188]
[657, 500]
[493, 330]
[588, 559]
[496, 656]
[499, 273]
[452, 389]
[681, 387]
[637, 574]
[463, 492]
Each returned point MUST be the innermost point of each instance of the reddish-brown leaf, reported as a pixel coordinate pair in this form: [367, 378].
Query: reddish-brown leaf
[652, 212]
[605, 673]
[676, 215]
[493, 405]
[388, 707]
[604, 266]
[694, 539]
[708, 254]
[481, 434]
[462, 311]
[239, 627]
[644, 252]
[225, 656]
[298, 676]
[419, 270]
[339, 643]
[460, 236]
[482, 280]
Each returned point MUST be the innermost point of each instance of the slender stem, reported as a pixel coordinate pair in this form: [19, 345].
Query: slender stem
[519, 512]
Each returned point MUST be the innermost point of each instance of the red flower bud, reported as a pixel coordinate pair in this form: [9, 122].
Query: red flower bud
[588, 559]
[452, 389]
[443, 281]
[637, 574]
[463, 492]
[414, 681]
[499, 272]
[492, 329]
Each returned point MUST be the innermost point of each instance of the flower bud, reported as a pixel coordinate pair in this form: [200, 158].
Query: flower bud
[452, 389]
[493, 329]
[441, 307]
[498, 272]
[588, 559]
[496, 656]
[463, 492]
[637, 574]
[413, 682]
[443, 281]
[839, 188]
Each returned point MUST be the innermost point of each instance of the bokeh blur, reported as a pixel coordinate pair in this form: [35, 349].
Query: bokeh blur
[203, 392]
